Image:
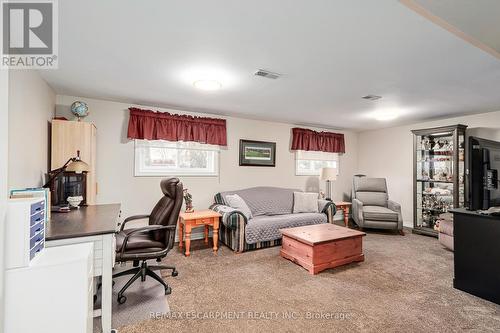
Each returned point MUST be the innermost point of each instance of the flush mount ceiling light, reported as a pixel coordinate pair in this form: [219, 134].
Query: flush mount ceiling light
[208, 85]
[208, 77]
[386, 115]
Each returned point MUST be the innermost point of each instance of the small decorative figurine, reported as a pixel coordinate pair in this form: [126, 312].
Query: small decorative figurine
[321, 194]
[426, 143]
[188, 198]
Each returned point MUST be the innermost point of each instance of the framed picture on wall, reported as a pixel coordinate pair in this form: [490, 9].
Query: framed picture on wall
[257, 153]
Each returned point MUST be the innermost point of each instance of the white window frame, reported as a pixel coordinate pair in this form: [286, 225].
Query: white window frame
[141, 170]
[315, 156]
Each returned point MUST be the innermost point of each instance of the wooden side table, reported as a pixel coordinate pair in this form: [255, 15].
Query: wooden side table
[199, 218]
[346, 207]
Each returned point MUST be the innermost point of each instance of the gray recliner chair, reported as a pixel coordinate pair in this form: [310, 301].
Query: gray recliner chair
[371, 207]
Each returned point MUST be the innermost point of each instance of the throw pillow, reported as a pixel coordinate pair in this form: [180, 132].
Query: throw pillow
[304, 202]
[236, 202]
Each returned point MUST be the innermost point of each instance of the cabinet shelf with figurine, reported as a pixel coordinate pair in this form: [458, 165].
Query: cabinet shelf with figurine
[438, 174]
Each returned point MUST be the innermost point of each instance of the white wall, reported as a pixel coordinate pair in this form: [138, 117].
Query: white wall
[389, 153]
[4, 154]
[115, 160]
[31, 107]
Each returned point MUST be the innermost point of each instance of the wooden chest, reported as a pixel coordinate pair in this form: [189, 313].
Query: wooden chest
[322, 246]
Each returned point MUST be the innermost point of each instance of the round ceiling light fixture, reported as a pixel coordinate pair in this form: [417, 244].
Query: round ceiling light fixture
[386, 115]
[208, 85]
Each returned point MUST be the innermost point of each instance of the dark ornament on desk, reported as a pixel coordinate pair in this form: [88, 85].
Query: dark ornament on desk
[188, 199]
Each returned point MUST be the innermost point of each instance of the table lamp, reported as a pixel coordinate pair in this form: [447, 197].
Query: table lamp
[328, 174]
[74, 164]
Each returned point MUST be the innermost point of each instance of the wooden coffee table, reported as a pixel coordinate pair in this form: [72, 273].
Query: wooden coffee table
[322, 246]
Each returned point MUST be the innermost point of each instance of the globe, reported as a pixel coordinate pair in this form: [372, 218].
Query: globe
[80, 109]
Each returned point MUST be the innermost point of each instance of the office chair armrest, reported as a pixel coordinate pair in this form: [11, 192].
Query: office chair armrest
[132, 218]
[142, 230]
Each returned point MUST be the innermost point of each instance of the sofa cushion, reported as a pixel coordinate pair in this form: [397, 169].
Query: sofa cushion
[371, 191]
[266, 228]
[366, 184]
[236, 202]
[377, 213]
[304, 202]
[372, 198]
[266, 200]
[137, 241]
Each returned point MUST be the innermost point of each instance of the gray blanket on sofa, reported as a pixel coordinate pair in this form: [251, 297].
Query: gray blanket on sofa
[265, 228]
[272, 210]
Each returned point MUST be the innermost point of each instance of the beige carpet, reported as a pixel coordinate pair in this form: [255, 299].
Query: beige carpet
[404, 285]
[142, 299]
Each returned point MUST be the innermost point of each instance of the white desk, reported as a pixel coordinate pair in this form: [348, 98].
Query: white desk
[52, 294]
[95, 224]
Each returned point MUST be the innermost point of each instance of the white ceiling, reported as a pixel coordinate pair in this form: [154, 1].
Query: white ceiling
[478, 19]
[330, 54]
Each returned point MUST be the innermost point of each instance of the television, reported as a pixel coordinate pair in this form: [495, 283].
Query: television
[483, 167]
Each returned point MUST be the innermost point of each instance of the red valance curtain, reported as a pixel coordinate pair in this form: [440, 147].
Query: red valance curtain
[306, 139]
[151, 125]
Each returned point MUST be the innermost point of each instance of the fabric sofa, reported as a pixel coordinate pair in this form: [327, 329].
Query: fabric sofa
[272, 209]
[371, 207]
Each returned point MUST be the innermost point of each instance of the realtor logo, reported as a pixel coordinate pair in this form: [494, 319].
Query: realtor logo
[29, 34]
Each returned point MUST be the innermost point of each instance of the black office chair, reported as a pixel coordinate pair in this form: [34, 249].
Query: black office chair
[153, 241]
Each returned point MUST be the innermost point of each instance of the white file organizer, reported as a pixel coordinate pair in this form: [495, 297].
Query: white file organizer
[25, 231]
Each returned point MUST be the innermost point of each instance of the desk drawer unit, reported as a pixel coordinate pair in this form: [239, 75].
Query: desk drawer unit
[25, 231]
[53, 294]
[100, 243]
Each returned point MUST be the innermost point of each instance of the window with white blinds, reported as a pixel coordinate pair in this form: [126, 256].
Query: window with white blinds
[165, 158]
[309, 163]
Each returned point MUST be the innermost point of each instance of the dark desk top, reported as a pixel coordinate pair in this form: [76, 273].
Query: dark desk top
[85, 221]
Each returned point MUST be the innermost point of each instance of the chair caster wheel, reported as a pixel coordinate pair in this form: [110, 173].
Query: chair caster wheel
[175, 273]
[168, 291]
[122, 299]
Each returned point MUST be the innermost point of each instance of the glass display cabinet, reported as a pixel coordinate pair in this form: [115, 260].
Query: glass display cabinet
[438, 174]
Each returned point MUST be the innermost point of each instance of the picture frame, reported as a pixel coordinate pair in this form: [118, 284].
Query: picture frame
[257, 153]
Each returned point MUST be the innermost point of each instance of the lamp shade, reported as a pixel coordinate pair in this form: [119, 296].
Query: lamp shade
[328, 174]
[77, 166]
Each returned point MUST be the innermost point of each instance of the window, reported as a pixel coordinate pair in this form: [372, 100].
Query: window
[165, 158]
[309, 163]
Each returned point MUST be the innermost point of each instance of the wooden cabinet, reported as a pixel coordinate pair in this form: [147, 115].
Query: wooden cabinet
[66, 139]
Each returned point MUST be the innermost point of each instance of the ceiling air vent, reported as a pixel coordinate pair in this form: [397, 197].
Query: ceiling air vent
[267, 74]
[371, 97]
